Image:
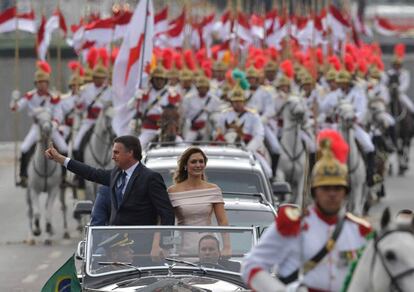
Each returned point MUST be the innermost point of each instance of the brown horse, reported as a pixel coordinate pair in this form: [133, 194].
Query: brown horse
[169, 125]
[404, 124]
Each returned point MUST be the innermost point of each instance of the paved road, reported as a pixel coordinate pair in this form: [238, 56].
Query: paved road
[26, 268]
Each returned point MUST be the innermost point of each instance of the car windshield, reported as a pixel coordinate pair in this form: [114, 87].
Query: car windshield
[260, 219]
[231, 180]
[119, 249]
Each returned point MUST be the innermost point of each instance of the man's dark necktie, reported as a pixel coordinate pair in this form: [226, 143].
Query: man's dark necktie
[120, 183]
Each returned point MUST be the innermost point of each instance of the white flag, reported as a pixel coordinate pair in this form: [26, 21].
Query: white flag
[132, 62]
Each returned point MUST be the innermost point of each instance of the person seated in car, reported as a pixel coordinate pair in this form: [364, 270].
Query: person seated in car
[209, 255]
[115, 249]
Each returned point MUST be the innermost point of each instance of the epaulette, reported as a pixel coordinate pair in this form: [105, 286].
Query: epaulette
[288, 221]
[365, 227]
[267, 87]
[82, 87]
[54, 99]
[65, 95]
[251, 110]
[30, 94]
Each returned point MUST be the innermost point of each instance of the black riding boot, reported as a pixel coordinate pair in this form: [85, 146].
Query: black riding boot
[275, 161]
[391, 140]
[372, 178]
[24, 163]
[312, 161]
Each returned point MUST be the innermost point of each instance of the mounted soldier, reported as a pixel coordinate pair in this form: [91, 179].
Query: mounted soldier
[41, 97]
[313, 249]
[93, 97]
[200, 111]
[149, 104]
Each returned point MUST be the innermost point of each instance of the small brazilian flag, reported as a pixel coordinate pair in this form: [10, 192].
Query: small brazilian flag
[64, 279]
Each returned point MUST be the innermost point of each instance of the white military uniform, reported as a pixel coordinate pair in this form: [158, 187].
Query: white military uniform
[151, 108]
[377, 90]
[216, 87]
[288, 242]
[356, 96]
[404, 85]
[92, 100]
[253, 131]
[70, 114]
[32, 100]
[198, 112]
[261, 101]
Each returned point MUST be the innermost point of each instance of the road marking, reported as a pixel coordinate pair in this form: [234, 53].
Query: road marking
[55, 254]
[42, 267]
[30, 278]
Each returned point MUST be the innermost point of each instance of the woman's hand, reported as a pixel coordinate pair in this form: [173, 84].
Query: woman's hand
[226, 252]
[157, 253]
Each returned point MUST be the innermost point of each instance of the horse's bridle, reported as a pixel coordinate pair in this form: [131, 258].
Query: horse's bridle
[394, 278]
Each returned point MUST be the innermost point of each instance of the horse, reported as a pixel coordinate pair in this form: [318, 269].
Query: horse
[44, 175]
[404, 124]
[355, 163]
[387, 263]
[379, 122]
[98, 150]
[292, 162]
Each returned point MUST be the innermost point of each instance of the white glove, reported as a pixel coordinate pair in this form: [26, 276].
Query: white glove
[13, 105]
[55, 124]
[132, 124]
[296, 287]
[15, 95]
[263, 282]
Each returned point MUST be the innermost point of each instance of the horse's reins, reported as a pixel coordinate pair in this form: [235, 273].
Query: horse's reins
[394, 278]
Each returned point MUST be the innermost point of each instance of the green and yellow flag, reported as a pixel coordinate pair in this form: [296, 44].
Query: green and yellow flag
[64, 279]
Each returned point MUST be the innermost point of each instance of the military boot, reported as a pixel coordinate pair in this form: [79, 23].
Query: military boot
[372, 177]
[24, 163]
[275, 161]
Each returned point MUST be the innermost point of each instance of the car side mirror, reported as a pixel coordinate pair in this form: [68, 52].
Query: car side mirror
[280, 189]
[82, 208]
[80, 251]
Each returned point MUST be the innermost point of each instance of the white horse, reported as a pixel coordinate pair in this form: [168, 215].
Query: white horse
[98, 150]
[387, 263]
[293, 153]
[355, 163]
[44, 176]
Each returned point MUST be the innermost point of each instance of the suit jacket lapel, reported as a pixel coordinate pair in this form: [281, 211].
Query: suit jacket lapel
[133, 177]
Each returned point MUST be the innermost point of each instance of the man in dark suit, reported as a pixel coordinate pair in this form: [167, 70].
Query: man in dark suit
[138, 194]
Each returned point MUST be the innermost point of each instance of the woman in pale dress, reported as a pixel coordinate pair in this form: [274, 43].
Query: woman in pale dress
[194, 199]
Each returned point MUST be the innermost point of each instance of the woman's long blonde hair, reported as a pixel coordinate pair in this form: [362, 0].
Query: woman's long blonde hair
[181, 173]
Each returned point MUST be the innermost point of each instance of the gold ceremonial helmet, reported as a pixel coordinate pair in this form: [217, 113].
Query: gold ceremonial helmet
[397, 60]
[159, 72]
[186, 75]
[237, 94]
[375, 73]
[283, 80]
[328, 171]
[173, 73]
[252, 73]
[202, 81]
[75, 79]
[100, 71]
[270, 66]
[219, 66]
[306, 78]
[117, 240]
[41, 75]
[331, 75]
[343, 77]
